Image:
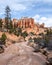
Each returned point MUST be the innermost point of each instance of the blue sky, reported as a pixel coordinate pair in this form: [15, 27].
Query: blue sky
[40, 10]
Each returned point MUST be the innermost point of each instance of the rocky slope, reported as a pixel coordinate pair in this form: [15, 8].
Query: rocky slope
[21, 54]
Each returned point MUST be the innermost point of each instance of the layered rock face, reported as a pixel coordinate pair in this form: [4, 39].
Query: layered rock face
[24, 22]
[27, 24]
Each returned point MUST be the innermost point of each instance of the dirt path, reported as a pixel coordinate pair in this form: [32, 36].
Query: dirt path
[21, 54]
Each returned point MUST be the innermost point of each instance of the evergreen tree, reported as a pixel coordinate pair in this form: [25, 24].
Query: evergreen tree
[7, 17]
[0, 23]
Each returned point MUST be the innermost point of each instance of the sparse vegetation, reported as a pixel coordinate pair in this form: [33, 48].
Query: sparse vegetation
[32, 33]
[49, 32]
[38, 40]
[19, 30]
[30, 39]
[24, 34]
[3, 38]
[0, 23]
[46, 39]
[41, 34]
[11, 30]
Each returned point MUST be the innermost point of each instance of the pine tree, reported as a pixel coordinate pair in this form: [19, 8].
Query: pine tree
[7, 17]
[0, 23]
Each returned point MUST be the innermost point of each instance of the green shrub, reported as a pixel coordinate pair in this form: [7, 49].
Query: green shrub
[24, 34]
[11, 30]
[38, 40]
[30, 39]
[19, 31]
[49, 32]
[46, 39]
[32, 33]
[3, 38]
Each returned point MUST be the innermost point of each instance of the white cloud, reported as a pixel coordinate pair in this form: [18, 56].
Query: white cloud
[47, 21]
[14, 5]
[43, 19]
[18, 5]
[37, 16]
